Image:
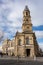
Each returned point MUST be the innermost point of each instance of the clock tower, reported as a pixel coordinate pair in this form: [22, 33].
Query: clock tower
[27, 25]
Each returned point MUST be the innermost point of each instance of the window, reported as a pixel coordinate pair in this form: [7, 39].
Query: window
[27, 41]
[11, 44]
[26, 13]
[19, 42]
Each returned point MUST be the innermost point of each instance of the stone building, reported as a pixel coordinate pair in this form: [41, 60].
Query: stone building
[11, 48]
[5, 46]
[25, 43]
[8, 47]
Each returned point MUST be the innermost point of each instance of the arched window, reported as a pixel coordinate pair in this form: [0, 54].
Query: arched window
[26, 13]
[19, 42]
[27, 41]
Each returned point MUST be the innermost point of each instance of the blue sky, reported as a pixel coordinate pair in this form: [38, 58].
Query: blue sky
[11, 14]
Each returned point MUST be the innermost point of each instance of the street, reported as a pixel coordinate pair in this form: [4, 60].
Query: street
[20, 61]
[15, 62]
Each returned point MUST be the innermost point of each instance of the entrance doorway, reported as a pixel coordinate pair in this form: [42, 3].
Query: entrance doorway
[28, 52]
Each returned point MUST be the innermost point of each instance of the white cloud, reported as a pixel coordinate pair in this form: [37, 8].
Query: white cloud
[16, 9]
[39, 34]
[11, 15]
[15, 23]
[1, 33]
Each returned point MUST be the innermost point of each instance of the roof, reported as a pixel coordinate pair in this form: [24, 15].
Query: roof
[26, 8]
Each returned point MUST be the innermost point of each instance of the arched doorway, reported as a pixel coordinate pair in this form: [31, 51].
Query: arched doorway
[28, 52]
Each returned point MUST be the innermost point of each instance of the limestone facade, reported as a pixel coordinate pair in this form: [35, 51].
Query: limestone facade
[8, 47]
[5, 46]
[11, 48]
